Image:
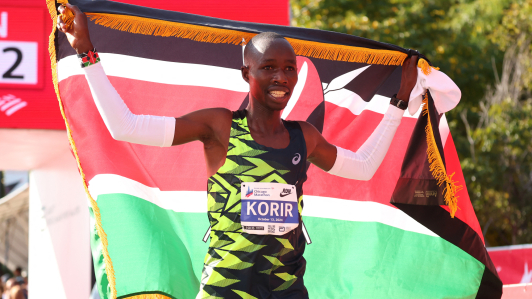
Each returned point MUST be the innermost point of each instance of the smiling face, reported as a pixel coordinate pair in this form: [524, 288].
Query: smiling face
[271, 71]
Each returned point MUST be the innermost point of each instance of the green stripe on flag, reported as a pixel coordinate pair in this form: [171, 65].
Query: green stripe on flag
[152, 249]
[374, 260]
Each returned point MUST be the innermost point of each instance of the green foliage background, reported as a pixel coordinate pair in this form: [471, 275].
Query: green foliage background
[468, 40]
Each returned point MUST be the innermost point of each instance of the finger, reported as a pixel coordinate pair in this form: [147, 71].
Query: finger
[75, 10]
[60, 23]
[414, 59]
[406, 61]
[61, 8]
[411, 62]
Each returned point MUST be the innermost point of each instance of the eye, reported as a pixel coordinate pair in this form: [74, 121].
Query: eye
[290, 68]
[268, 67]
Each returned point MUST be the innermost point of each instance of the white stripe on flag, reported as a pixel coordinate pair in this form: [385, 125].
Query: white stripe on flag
[353, 102]
[315, 206]
[178, 201]
[363, 211]
[158, 71]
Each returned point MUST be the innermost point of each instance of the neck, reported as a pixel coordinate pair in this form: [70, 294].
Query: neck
[263, 120]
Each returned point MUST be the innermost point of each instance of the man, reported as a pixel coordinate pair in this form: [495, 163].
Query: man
[256, 164]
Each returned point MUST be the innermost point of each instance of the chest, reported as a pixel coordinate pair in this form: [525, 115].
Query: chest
[249, 161]
[276, 141]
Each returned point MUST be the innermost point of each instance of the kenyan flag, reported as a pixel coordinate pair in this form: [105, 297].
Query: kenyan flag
[148, 204]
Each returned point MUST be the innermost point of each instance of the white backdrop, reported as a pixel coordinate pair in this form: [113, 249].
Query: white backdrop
[59, 249]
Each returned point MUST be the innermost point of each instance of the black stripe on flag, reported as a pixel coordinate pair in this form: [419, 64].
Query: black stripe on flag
[170, 49]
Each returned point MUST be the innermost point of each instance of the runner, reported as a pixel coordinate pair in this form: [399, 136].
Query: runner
[256, 164]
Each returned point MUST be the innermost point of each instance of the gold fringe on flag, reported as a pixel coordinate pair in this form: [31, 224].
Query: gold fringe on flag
[346, 53]
[99, 229]
[146, 26]
[149, 296]
[437, 168]
[426, 68]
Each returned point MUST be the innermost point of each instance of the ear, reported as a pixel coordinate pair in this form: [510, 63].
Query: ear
[245, 73]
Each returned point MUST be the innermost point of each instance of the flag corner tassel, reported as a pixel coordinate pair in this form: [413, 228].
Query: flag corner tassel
[436, 166]
[426, 68]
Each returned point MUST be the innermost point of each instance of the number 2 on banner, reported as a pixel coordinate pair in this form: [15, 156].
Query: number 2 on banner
[19, 62]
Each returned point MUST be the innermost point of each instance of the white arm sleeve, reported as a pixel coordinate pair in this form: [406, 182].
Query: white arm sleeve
[121, 123]
[363, 164]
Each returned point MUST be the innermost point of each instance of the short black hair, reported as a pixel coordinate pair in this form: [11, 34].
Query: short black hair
[267, 35]
[258, 41]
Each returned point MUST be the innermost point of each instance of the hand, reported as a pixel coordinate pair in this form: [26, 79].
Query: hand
[408, 78]
[78, 33]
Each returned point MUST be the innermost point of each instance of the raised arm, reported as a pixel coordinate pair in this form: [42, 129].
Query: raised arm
[123, 125]
[362, 164]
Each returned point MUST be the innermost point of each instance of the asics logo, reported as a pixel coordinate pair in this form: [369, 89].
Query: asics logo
[296, 159]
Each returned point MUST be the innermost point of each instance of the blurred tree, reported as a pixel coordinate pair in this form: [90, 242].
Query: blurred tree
[499, 168]
[516, 29]
[451, 33]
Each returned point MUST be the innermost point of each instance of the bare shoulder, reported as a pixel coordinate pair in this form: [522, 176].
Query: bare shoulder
[206, 125]
[309, 130]
[210, 114]
[319, 152]
[215, 118]
[311, 134]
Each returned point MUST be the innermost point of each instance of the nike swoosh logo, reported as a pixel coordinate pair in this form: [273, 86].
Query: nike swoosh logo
[284, 194]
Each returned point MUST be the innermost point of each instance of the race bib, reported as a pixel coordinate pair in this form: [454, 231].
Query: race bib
[268, 208]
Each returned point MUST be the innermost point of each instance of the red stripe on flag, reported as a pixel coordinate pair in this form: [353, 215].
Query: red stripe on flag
[176, 168]
[183, 167]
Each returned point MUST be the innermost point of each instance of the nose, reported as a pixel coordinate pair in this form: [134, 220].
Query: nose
[279, 77]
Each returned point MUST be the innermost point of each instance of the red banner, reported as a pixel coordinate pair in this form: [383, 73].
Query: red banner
[513, 263]
[257, 11]
[27, 96]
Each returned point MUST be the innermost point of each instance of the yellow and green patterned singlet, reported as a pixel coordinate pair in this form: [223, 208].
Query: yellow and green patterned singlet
[241, 265]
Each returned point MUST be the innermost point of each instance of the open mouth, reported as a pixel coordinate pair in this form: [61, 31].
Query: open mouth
[278, 93]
